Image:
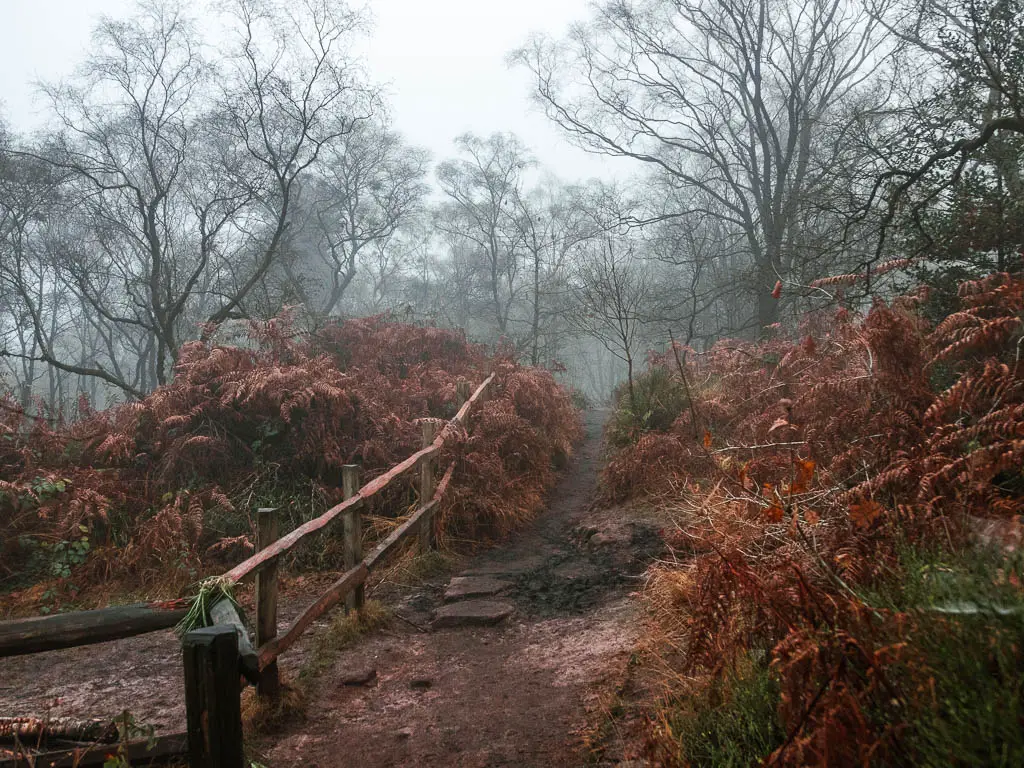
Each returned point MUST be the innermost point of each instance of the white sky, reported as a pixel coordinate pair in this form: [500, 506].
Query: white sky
[443, 62]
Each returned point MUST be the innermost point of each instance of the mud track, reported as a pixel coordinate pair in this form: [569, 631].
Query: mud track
[519, 693]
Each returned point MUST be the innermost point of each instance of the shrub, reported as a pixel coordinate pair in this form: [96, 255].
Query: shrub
[813, 467]
[659, 397]
[166, 484]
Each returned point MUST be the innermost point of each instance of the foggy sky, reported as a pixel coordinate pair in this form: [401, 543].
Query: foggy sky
[442, 61]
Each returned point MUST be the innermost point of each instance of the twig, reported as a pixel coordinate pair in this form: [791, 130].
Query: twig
[412, 624]
[753, 447]
[686, 386]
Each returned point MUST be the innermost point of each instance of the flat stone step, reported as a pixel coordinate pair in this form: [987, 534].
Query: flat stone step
[513, 569]
[462, 587]
[472, 613]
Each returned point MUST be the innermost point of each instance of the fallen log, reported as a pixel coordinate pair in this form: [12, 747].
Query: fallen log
[33, 730]
[164, 750]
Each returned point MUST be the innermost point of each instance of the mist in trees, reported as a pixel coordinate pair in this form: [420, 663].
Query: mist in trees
[204, 166]
[172, 177]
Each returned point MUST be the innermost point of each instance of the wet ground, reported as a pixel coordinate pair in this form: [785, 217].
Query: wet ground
[519, 693]
[516, 693]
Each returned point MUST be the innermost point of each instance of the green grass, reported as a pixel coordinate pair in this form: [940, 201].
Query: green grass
[343, 630]
[926, 578]
[731, 724]
[961, 678]
[973, 710]
[659, 399]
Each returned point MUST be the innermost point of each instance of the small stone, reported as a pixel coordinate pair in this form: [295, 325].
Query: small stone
[602, 540]
[359, 677]
[405, 733]
[420, 683]
[472, 613]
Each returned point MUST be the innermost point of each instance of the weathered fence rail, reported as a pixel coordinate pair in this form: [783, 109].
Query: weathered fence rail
[68, 630]
[365, 494]
[210, 657]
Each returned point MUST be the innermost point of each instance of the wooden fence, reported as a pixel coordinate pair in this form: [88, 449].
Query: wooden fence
[214, 657]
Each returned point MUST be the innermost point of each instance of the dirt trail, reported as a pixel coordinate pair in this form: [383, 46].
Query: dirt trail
[142, 674]
[515, 694]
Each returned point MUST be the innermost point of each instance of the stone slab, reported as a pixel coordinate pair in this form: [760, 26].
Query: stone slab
[462, 587]
[472, 613]
[512, 569]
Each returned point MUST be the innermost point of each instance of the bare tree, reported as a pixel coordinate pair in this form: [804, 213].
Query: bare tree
[611, 283]
[725, 98]
[296, 96]
[178, 172]
[368, 186]
[698, 257]
[966, 103]
[483, 191]
[551, 225]
[120, 163]
[34, 304]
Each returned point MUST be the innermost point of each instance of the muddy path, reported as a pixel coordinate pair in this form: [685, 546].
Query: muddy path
[427, 689]
[142, 674]
[518, 693]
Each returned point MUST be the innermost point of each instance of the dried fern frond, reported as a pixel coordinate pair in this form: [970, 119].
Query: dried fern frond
[210, 591]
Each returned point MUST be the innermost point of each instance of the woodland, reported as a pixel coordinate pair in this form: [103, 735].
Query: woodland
[224, 274]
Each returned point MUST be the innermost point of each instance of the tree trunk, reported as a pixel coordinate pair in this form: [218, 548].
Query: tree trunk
[629, 380]
[535, 353]
[767, 305]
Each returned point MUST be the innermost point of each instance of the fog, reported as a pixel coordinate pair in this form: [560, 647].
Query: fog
[442, 65]
[580, 183]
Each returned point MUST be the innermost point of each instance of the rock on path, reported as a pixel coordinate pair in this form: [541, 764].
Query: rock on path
[462, 587]
[472, 613]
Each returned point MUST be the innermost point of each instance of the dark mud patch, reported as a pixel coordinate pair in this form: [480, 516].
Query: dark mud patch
[587, 573]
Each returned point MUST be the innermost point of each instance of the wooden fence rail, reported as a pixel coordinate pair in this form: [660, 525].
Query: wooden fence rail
[44, 633]
[69, 630]
[367, 492]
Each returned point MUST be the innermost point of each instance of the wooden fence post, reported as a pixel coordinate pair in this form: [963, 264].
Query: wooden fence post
[427, 487]
[212, 698]
[353, 523]
[462, 392]
[267, 532]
